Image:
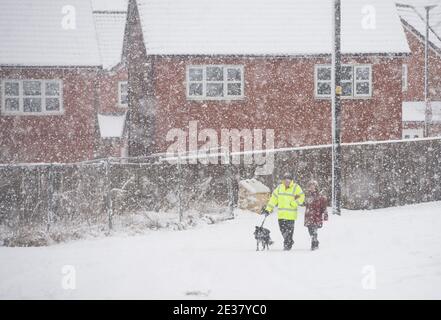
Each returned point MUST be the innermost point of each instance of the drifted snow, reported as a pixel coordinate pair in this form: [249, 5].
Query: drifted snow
[402, 245]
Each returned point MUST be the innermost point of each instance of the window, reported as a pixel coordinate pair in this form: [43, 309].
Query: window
[347, 81]
[11, 96]
[362, 81]
[123, 93]
[323, 81]
[404, 77]
[413, 133]
[214, 82]
[356, 81]
[31, 97]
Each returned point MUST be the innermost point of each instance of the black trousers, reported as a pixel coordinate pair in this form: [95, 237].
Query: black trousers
[287, 230]
[313, 233]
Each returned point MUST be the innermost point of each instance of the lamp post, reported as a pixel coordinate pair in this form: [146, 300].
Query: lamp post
[428, 109]
[336, 109]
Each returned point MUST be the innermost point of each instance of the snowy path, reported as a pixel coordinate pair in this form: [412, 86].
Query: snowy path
[402, 245]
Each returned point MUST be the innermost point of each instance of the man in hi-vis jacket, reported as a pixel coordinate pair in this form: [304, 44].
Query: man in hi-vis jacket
[287, 197]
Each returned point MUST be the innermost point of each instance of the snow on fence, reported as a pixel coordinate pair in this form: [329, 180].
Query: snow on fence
[68, 200]
[374, 174]
[98, 195]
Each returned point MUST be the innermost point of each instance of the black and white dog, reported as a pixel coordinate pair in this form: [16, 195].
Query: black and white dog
[262, 235]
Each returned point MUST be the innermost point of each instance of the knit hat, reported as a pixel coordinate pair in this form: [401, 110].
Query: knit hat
[287, 175]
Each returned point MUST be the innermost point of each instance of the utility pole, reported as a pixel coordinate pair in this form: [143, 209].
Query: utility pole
[336, 109]
[428, 110]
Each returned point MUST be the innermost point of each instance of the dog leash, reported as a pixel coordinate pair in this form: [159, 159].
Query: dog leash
[263, 221]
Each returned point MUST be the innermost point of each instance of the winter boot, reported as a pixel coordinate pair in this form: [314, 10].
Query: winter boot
[314, 245]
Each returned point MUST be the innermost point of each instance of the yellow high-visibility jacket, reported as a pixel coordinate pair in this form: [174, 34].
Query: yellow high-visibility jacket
[284, 199]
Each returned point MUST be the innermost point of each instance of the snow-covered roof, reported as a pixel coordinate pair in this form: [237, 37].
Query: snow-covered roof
[416, 18]
[416, 110]
[111, 126]
[47, 33]
[110, 27]
[109, 5]
[268, 27]
[254, 186]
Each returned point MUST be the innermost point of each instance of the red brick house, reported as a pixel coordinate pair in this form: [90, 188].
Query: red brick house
[413, 76]
[263, 65]
[58, 72]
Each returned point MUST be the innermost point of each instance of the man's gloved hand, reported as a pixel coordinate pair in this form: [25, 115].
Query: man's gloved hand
[265, 212]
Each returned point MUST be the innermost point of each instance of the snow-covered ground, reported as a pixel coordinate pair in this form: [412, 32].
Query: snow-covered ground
[387, 253]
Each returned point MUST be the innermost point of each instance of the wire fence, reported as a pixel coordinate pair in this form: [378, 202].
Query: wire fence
[102, 193]
[117, 193]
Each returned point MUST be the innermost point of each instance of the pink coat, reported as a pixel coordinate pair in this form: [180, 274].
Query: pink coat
[316, 210]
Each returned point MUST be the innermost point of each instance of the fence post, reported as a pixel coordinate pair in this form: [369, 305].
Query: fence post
[179, 189]
[108, 200]
[230, 179]
[50, 198]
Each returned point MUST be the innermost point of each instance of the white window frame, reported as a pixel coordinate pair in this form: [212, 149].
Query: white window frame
[354, 81]
[361, 95]
[404, 81]
[225, 82]
[120, 83]
[316, 81]
[21, 97]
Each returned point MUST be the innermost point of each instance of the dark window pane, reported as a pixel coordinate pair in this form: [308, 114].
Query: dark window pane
[346, 73]
[12, 104]
[215, 74]
[323, 88]
[215, 89]
[52, 89]
[32, 104]
[124, 99]
[195, 74]
[31, 88]
[406, 136]
[234, 89]
[362, 73]
[324, 73]
[11, 88]
[195, 89]
[124, 88]
[362, 88]
[346, 89]
[52, 104]
[234, 74]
